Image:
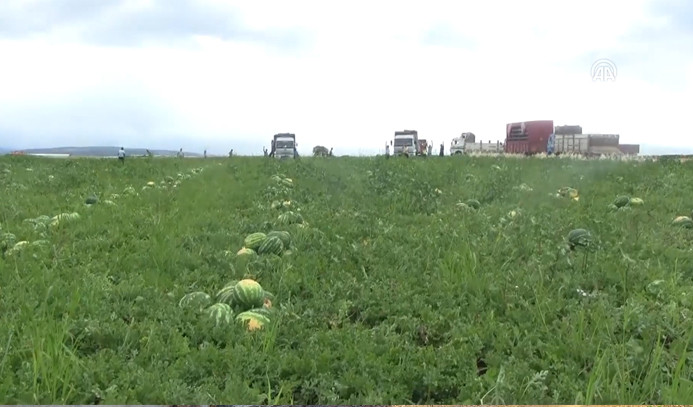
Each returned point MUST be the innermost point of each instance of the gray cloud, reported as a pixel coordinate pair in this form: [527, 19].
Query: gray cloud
[108, 22]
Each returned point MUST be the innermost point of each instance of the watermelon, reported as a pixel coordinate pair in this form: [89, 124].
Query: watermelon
[248, 294]
[91, 200]
[683, 221]
[245, 252]
[290, 217]
[621, 201]
[636, 202]
[220, 312]
[568, 192]
[271, 245]
[253, 319]
[284, 236]
[579, 237]
[254, 240]
[197, 300]
[473, 203]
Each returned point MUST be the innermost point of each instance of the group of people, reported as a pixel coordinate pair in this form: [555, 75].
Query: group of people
[407, 150]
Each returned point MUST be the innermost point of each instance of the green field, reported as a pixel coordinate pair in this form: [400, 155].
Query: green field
[392, 294]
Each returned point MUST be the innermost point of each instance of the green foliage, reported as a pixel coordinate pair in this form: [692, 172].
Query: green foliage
[392, 294]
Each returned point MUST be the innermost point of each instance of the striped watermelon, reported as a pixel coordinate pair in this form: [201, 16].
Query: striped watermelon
[254, 240]
[579, 237]
[271, 245]
[248, 294]
[245, 252]
[254, 319]
[683, 221]
[290, 217]
[220, 313]
[621, 201]
[197, 300]
[284, 236]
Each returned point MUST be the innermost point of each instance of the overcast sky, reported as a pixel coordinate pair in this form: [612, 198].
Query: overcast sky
[230, 74]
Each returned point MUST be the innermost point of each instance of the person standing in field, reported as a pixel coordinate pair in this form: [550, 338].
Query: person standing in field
[387, 150]
[205, 153]
[430, 149]
[442, 149]
[121, 155]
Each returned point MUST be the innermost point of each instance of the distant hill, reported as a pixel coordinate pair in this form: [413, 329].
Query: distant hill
[101, 151]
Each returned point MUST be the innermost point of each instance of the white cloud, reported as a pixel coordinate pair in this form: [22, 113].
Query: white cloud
[441, 67]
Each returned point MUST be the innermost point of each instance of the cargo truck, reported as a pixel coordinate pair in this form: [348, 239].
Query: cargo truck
[467, 143]
[284, 146]
[406, 142]
[540, 136]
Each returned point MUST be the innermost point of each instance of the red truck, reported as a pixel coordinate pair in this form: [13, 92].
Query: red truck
[528, 137]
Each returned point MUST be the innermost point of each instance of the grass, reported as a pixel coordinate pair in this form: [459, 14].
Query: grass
[394, 294]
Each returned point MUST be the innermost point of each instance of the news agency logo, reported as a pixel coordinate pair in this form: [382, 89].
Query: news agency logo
[603, 70]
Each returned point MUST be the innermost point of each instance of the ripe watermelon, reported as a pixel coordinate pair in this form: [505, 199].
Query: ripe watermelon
[290, 217]
[91, 200]
[473, 203]
[253, 319]
[683, 221]
[254, 240]
[220, 313]
[284, 236]
[271, 245]
[245, 252]
[579, 237]
[194, 300]
[248, 294]
[621, 201]
[636, 201]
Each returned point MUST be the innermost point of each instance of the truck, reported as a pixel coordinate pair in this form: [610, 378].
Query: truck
[284, 146]
[530, 137]
[466, 143]
[584, 144]
[406, 142]
[540, 136]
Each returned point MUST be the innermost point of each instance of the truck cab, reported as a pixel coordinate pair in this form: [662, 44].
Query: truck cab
[458, 144]
[284, 145]
[406, 141]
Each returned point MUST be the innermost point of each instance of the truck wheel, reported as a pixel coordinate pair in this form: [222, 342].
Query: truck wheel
[458, 152]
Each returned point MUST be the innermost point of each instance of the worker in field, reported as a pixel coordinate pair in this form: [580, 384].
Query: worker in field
[205, 153]
[272, 147]
[121, 155]
[442, 150]
[387, 150]
[430, 149]
[264, 151]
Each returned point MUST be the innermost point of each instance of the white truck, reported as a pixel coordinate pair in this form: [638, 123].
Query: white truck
[284, 146]
[406, 141]
[466, 143]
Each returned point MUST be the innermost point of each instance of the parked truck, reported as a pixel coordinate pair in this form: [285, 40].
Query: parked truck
[284, 146]
[541, 136]
[466, 143]
[406, 142]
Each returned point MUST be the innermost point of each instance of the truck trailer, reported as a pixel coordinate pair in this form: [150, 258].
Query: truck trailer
[540, 136]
